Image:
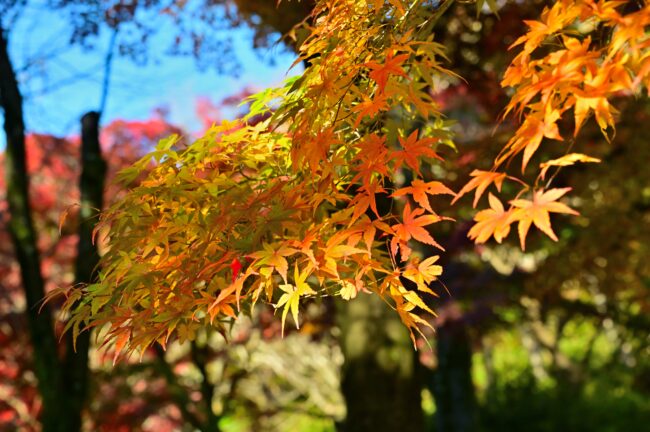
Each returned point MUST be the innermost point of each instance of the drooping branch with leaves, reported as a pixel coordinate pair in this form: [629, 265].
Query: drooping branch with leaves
[574, 60]
[282, 204]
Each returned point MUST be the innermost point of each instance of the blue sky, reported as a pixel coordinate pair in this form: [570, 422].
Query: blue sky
[60, 82]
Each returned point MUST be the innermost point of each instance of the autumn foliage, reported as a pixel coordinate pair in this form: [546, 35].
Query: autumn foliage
[333, 193]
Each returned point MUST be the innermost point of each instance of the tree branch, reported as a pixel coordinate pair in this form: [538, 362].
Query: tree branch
[200, 358]
[108, 62]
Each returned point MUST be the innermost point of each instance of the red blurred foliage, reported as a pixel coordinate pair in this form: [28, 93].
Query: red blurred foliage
[53, 166]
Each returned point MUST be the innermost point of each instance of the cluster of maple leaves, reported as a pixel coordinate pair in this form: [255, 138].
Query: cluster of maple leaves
[313, 200]
[578, 56]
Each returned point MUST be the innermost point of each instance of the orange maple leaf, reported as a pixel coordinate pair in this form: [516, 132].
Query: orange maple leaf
[305, 244]
[425, 273]
[222, 304]
[536, 126]
[364, 199]
[412, 227]
[380, 72]
[480, 182]
[317, 147]
[372, 160]
[370, 107]
[122, 337]
[537, 212]
[552, 20]
[420, 191]
[413, 149]
[494, 221]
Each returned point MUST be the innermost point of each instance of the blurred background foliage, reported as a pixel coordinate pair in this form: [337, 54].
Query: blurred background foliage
[553, 339]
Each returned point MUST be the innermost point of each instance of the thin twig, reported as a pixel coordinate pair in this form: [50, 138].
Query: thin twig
[107, 71]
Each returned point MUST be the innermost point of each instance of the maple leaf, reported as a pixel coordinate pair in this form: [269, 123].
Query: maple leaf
[405, 302]
[425, 273]
[412, 227]
[348, 290]
[552, 20]
[365, 199]
[428, 271]
[373, 161]
[528, 137]
[121, 339]
[342, 251]
[602, 109]
[236, 267]
[222, 304]
[370, 107]
[420, 191]
[304, 245]
[537, 130]
[411, 320]
[421, 100]
[413, 149]
[380, 72]
[291, 297]
[480, 182]
[274, 258]
[186, 333]
[494, 221]
[316, 148]
[537, 212]
[565, 160]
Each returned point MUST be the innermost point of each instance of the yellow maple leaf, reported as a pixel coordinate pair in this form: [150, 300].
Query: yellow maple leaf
[274, 258]
[291, 297]
[603, 112]
[565, 160]
[348, 290]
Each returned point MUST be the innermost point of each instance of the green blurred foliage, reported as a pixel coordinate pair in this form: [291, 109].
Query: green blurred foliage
[516, 400]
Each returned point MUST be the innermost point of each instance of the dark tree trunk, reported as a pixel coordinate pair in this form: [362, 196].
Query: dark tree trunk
[452, 382]
[380, 380]
[91, 188]
[21, 228]
[62, 384]
[176, 391]
[200, 357]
